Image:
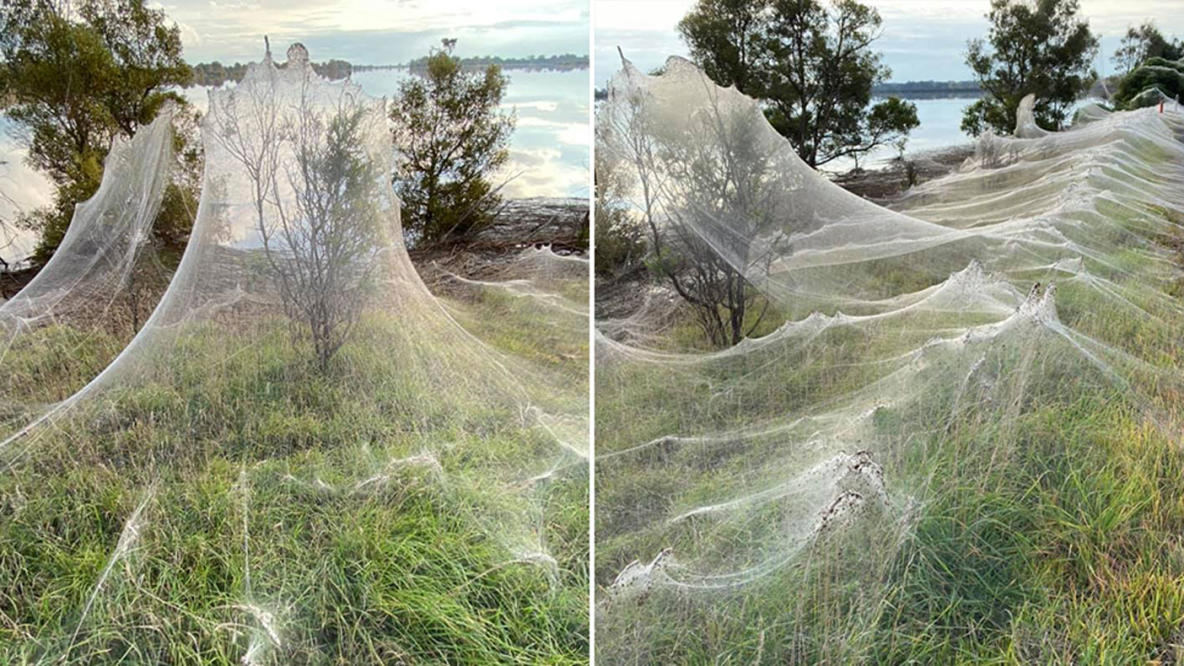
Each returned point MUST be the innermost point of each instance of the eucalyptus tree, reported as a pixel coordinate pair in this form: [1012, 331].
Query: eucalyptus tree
[1041, 47]
[811, 65]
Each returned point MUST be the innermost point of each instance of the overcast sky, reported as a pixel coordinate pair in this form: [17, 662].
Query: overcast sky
[922, 39]
[378, 31]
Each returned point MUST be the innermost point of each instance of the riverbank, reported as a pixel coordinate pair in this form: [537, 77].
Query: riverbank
[886, 183]
[558, 222]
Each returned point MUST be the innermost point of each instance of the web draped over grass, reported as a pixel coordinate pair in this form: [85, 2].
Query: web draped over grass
[102, 282]
[304, 456]
[961, 442]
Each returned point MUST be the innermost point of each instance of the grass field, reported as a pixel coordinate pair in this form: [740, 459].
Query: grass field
[233, 504]
[1034, 506]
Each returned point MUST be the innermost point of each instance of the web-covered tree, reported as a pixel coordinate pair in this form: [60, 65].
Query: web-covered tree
[451, 138]
[315, 189]
[325, 252]
[1040, 47]
[1150, 83]
[1143, 43]
[810, 64]
[75, 78]
[706, 188]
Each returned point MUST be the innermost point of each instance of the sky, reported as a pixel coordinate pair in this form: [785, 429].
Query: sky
[921, 39]
[378, 31]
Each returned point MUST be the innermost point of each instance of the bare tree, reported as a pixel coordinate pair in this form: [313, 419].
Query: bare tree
[704, 197]
[318, 215]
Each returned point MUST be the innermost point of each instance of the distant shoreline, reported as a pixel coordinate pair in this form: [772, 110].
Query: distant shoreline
[469, 66]
[215, 73]
[563, 62]
[929, 89]
[935, 94]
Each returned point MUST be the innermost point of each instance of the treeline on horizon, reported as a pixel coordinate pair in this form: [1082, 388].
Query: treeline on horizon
[215, 73]
[887, 88]
[565, 61]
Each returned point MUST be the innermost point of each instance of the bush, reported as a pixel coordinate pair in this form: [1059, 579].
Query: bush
[1137, 89]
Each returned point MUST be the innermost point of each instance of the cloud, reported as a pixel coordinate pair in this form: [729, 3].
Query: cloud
[545, 106]
[575, 135]
[547, 175]
[378, 31]
[572, 133]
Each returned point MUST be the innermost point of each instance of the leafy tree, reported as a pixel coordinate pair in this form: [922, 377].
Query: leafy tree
[727, 39]
[1039, 47]
[147, 58]
[333, 70]
[809, 63]
[77, 80]
[711, 178]
[450, 137]
[1142, 43]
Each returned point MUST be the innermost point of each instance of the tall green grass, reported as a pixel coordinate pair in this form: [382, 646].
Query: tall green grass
[1045, 531]
[276, 522]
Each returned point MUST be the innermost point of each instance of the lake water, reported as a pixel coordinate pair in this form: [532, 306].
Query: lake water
[549, 152]
[549, 149]
[940, 120]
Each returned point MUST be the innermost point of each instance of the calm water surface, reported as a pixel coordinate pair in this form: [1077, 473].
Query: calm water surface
[549, 152]
[940, 119]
